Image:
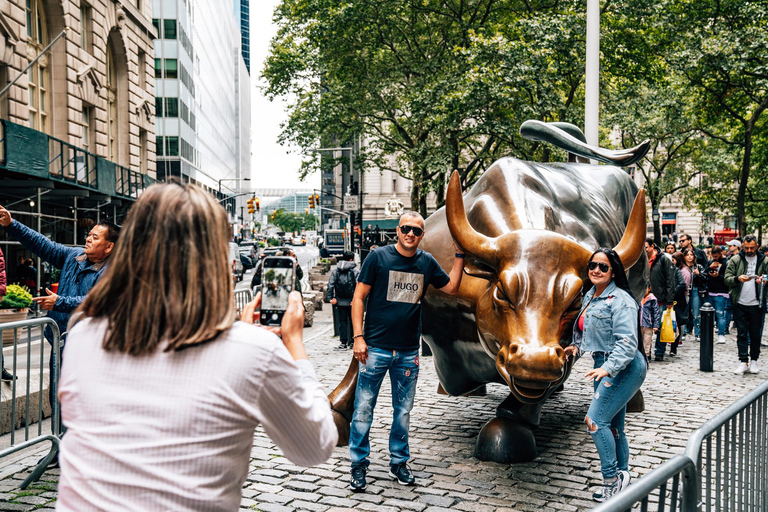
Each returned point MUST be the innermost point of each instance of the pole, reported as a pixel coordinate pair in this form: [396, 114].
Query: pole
[706, 363]
[32, 63]
[592, 79]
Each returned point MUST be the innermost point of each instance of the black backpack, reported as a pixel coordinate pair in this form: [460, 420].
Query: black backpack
[345, 284]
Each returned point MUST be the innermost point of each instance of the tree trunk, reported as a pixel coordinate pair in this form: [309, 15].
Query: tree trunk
[741, 198]
[415, 192]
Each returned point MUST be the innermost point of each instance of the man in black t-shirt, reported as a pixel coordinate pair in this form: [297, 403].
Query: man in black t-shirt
[394, 279]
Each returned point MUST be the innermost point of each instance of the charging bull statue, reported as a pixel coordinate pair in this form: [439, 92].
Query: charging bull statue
[528, 231]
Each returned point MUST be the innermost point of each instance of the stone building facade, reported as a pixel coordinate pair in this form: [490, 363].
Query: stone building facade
[95, 88]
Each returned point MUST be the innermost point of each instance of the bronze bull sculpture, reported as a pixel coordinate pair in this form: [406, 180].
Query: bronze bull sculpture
[528, 230]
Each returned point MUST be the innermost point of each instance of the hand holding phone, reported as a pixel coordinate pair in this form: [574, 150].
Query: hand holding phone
[278, 274]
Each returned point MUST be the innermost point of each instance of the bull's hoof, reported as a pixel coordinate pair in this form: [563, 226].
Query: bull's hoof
[342, 425]
[637, 402]
[506, 441]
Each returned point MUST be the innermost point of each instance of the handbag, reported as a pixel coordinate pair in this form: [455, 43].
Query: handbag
[667, 329]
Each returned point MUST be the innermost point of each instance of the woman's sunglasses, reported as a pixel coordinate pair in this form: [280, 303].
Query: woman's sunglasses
[405, 229]
[604, 267]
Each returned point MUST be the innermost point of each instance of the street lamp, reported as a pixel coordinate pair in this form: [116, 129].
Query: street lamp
[656, 231]
[655, 216]
[232, 179]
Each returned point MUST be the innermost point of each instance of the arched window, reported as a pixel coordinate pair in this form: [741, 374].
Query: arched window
[37, 36]
[111, 104]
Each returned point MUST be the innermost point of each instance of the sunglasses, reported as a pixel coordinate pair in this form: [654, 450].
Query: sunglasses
[405, 229]
[604, 267]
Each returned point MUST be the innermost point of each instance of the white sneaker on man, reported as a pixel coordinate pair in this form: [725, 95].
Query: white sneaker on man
[741, 369]
[753, 367]
[721, 339]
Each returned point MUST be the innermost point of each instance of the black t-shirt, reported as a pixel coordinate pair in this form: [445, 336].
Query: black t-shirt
[398, 283]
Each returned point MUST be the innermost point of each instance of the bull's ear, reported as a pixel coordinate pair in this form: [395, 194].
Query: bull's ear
[478, 269]
[631, 245]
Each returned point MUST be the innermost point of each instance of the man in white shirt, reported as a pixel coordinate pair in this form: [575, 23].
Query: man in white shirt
[744, 275]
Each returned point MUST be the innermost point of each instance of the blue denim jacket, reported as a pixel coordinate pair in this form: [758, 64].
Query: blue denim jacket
[78, 275]
[610, 326]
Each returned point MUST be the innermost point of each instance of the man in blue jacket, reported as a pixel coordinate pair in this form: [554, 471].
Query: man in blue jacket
[80, 269]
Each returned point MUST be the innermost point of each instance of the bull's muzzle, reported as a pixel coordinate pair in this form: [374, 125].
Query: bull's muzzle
[531, 370]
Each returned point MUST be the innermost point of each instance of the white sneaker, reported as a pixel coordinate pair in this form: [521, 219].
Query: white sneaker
[753, 367]
[741, 369]
[721, 339]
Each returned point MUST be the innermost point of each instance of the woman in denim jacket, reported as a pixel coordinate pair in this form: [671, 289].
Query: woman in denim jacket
[607, 326]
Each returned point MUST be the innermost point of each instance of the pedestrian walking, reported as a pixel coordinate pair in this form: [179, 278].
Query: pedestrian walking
[686, 242]
[670, 249]
[394, 279]
[607, 327]
[662, 277]
[697, 290]
[162, 390]
[341, 289]
[744, 276]
[650, 321]
[683, 280]
[717, 290]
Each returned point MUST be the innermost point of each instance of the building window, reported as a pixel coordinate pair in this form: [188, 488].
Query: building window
[158, 68]
[171, 107]
[86, 28]
[171, 68]
[37, 38]
[111, 105]
[142, 69]
[89, 137]
[167, 146]
[156, 24]
[169, 27]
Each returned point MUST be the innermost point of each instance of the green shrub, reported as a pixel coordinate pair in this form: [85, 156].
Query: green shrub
[16, 297]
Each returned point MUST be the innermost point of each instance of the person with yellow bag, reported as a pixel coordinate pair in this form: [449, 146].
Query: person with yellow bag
[662, 277]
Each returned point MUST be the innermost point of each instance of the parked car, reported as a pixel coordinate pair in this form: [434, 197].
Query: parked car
[246, 259]
[253, 248]
[237, 265]
[299, 240]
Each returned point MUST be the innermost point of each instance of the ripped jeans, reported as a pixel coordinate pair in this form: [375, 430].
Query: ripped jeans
[605, 417]
[403, 367]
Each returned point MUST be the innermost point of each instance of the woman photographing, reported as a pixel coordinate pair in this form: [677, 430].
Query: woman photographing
[607, 326]
[163, 389]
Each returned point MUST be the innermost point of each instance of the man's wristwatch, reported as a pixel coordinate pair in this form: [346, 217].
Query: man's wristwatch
[459, 255]
[357, 336]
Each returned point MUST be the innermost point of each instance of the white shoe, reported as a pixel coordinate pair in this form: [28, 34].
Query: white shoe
[753, 367]
[721, 339]
[741, 369]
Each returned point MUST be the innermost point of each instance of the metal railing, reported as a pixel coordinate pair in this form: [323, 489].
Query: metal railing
[242, 297]
[2, 143]
[71, 163]
[724, 467]
[24, 332]
[128, 183]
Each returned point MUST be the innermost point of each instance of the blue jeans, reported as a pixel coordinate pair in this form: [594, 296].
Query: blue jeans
[720, 304]
[728, 312]
[403, 367]
[693, 313]
[605, 417]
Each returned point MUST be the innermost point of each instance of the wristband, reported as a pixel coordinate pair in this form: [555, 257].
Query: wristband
[357, 336]
[459, 255]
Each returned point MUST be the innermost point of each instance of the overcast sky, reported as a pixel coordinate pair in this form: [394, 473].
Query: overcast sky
[272, 165]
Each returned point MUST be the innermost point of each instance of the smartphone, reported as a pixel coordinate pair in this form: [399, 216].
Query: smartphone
[277, 277]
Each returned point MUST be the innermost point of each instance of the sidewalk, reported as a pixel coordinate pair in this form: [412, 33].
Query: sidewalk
[678, 399]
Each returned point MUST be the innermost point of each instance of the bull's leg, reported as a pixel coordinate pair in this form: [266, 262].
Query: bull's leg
[509, 437]
[343, 402]
[637, 402]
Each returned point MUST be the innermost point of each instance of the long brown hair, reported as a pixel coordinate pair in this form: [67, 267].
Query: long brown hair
[169, 276]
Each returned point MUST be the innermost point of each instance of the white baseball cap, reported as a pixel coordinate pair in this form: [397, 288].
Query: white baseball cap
[734, 242]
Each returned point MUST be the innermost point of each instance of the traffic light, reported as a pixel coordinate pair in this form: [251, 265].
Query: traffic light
[311, 201]
[273, 216]
[251, 208]
[256, 203]
[317, 200]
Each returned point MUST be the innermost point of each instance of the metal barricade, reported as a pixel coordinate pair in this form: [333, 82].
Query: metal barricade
[724, 467]
[24, 333]
[242, 297]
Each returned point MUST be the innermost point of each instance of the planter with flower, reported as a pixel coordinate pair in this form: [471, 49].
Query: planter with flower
[14, 307]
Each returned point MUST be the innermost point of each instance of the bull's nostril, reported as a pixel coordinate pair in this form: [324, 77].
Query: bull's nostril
[559, 352]
[513, 349]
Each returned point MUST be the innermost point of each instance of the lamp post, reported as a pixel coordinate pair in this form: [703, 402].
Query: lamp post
[656, 229]
[359, 190]
[234, 213]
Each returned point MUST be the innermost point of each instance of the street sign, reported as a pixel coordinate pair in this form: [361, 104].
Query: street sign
[351, 203]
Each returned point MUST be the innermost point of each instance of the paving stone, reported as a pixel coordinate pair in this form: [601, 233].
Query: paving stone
[438, 501]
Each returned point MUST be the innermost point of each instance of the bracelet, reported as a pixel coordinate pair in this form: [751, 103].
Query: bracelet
[357, 336]
[459, 255]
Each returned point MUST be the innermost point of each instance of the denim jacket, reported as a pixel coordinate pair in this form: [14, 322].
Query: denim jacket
[78, 275]
[610, 326]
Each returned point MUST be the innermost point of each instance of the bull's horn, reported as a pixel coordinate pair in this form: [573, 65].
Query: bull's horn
[631, 245]
[472, 242]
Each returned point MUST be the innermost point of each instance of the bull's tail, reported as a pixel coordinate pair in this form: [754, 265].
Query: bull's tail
[343, 402]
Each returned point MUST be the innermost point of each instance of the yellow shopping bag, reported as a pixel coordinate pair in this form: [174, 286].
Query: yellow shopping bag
[667, 330]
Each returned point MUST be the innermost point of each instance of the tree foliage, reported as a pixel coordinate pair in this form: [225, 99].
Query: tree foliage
[293, 222]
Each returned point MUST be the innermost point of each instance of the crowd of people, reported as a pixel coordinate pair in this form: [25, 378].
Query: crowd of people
[730, 278]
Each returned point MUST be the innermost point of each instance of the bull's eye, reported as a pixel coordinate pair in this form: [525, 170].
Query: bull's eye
[500, 296]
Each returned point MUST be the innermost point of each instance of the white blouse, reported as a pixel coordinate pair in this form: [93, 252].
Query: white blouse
[174, 430]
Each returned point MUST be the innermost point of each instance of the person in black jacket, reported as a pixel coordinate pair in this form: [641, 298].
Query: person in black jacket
[686, 242]
[341, 289]
[662, 275]
[717, 290]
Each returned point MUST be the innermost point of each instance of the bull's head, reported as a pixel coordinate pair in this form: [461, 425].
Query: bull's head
[531, 292]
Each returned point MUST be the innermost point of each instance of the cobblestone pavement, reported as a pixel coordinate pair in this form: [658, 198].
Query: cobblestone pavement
[678, 399]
